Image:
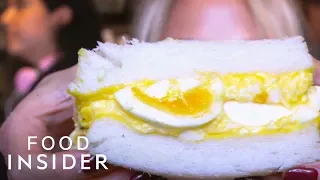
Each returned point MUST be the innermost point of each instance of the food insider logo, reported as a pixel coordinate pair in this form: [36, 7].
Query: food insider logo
[44, 160]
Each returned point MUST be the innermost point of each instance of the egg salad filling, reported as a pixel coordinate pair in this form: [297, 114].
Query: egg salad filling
[208, 105]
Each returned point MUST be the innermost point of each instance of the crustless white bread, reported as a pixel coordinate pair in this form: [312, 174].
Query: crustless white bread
[224, 148]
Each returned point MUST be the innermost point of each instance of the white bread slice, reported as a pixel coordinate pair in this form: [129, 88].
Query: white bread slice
[113, 64]
[212, 159]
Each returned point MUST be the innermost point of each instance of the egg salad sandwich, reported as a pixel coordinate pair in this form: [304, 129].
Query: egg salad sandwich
[199, 109]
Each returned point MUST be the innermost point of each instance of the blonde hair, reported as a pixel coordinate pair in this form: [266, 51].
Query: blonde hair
[273, 18]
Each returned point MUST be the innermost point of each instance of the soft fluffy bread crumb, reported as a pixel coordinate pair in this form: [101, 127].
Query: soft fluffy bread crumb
[115, 64]
[213, 159]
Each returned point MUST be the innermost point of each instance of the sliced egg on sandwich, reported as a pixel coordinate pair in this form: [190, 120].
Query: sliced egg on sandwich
[211, 97]
[179, 104]
[212, 104]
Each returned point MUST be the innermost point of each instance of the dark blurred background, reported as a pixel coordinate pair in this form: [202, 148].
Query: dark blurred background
[114, 16]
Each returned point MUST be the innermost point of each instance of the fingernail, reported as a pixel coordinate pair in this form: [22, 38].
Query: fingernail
[145, 176]
[301, 174]
[92, 165]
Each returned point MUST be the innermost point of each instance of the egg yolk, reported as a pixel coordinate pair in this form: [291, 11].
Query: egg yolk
[261, 98]
[191, 102]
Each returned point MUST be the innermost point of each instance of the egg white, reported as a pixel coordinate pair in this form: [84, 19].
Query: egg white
[132, 105]
[246, 114]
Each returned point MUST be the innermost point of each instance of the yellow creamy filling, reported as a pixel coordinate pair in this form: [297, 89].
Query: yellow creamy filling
[288, 90]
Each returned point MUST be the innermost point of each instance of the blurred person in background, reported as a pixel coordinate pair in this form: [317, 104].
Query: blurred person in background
[46, 34]
[217, 20]
[157, 19]
[312, 11]
[225, 20]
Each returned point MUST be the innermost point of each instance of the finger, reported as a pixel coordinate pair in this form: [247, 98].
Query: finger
[57, 131]
[48, 100]
[57, 117]
[66, 75]
[309, 172]
[15, 133]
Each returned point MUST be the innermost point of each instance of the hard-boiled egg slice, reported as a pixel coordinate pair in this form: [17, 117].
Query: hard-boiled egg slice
[159, 90]
[130, 103]
[309, 111]
[314, 97]
[304, 114]
[253, 114]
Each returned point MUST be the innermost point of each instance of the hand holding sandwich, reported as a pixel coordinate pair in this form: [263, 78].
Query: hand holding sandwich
[46, 112]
